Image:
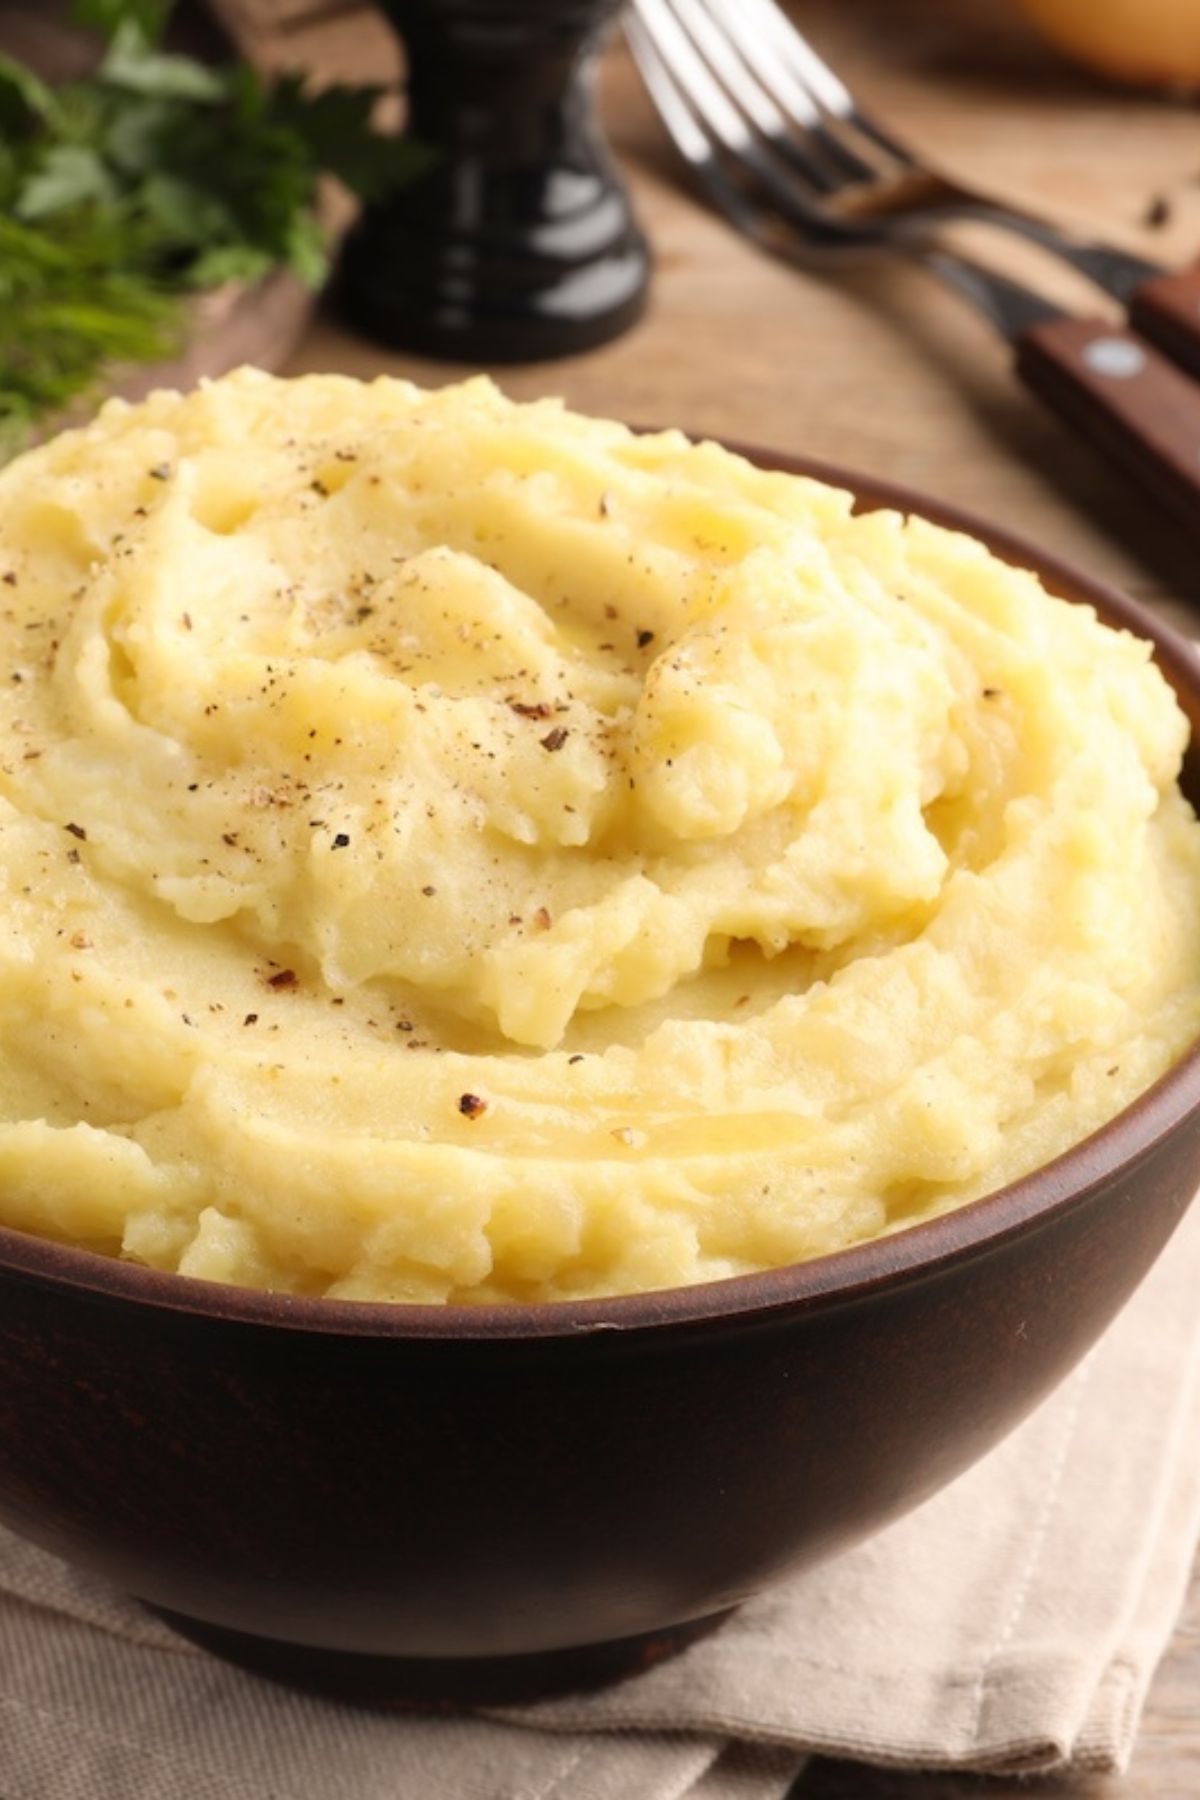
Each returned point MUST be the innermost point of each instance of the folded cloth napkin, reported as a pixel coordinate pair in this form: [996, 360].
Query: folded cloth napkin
[1012, 1624]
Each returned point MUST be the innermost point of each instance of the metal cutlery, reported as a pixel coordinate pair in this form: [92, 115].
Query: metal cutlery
[793, 96]
[782, 149]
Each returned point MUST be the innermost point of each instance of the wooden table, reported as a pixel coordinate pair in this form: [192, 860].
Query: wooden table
[884, 372]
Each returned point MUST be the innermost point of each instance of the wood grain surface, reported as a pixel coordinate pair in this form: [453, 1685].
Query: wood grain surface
[881, 370]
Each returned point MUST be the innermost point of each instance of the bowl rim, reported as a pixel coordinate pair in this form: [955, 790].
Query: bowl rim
[972, 1230]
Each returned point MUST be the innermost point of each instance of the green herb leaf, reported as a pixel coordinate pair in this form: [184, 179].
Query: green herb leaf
[130, 135]
[335, 124]
[232, 262]
[307, 252]
[67, 175]
[23, 98]
[132, 65]
[185, 213]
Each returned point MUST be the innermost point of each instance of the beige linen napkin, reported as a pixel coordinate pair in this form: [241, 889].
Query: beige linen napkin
[1013, 1623]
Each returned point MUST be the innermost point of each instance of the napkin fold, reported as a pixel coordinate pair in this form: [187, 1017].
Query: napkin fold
[1013, 1623]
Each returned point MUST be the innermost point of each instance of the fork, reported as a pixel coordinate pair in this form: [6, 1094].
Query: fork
[786, 88]
[807, 195]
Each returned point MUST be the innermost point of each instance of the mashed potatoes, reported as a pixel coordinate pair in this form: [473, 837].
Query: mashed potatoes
[455, 851]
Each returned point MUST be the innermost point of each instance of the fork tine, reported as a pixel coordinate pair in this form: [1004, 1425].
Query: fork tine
[689, 137]
[785, 59]
[796, 134]
[681, 63]
[708, 131]
[705, 65]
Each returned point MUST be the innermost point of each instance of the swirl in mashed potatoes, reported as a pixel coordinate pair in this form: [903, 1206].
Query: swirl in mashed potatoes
[459, 851]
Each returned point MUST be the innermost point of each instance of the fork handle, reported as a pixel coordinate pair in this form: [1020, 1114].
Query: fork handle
[1118, 392]
[1166, 309]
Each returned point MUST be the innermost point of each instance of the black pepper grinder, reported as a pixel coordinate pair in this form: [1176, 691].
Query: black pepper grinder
[517, 241]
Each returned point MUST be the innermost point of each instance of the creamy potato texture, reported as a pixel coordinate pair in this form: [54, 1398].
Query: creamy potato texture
[458, 851]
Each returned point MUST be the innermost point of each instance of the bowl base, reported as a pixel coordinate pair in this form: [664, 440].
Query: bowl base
[441, 1683]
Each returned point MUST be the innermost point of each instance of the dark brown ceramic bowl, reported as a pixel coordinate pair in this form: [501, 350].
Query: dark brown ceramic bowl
[414, 1502]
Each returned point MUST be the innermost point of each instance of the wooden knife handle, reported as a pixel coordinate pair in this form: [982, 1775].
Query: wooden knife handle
[1166, 310]
[1117, 391]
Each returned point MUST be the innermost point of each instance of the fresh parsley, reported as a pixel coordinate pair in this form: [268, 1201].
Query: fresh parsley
[152, 179]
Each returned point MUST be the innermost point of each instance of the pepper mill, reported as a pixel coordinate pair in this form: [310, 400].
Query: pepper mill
[516, 241]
